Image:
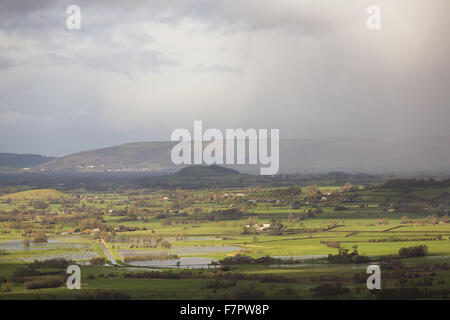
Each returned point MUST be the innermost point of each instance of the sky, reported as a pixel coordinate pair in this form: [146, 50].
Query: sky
[137, 70]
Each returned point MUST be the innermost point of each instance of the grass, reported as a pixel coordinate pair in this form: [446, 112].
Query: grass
[365, 221]
[38, 194]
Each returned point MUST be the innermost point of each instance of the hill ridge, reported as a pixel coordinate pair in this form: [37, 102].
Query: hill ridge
[421, 155]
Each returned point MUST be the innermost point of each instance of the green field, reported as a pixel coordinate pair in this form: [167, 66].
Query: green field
[169, 244]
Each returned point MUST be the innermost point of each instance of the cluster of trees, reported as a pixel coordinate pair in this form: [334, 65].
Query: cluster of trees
[289, 191]
[347, 256]
[436, 237]
[226, 214]
[185, 274]
[329, 290]
[415, 183]
[44, 283]
[57, 263]
[103, 295]
[40, 237]
[417, 251]
[91, 223]
[219, 284]
[38, 204]
[243, 259]
[403, 293]
[97, 261]
[150, 257]
[217, 276]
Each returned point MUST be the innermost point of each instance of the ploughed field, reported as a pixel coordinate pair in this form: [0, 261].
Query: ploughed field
[215, 243]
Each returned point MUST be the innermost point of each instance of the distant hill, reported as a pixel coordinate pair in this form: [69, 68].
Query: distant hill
[200, 176]
[138, 156]
[14, 162]
[205, 171]
[423, 155]
[38, 194]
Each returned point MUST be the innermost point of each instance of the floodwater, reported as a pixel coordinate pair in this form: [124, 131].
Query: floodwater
[177, 250]
[53, 243]
[186, 263]
[75, 255]
[194, 239]
[183, 262]
[74, 251]
[302, 257]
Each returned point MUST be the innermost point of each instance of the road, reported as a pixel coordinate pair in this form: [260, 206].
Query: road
[107, 252]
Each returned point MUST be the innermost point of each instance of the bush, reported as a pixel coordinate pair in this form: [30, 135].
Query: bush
[361, 259]
[285, 294]
[417, 251]
[347, 256]
[40, 237]
[43, 283]
[103, 295]
[150, 257]
[6, 287]
[225, 268]
[98, 261]
[360, 278]
[25, 272]
[248, 294]
[218, 284]
[402, 293]
[329, 290]
[57, 263]
[161, 215]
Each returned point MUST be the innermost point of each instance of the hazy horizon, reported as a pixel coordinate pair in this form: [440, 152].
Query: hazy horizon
[387, 140]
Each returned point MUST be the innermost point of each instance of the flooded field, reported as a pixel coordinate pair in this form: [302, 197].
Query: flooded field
[195, 239]
[302, 257]
[186, 263]
[180, 250]
[52, 243]
[76, 256]
[182, 262]
[62, 248]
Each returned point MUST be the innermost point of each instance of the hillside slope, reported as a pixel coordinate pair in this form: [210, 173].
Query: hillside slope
[205, 171]
[13, 162]
[127, 157]
[38, 194]
[428, 155]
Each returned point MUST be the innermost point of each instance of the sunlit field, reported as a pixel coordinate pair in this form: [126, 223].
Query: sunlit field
[186, 244]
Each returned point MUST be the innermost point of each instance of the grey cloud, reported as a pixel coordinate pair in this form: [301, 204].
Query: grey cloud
[139, 69]
[5, 63]
[217, 68]
[21, 7]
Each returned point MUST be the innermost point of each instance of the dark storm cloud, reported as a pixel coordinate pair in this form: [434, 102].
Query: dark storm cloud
[20, 7]
[25, 14]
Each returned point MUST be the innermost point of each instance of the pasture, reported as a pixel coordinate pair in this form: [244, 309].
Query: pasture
[199, 228]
